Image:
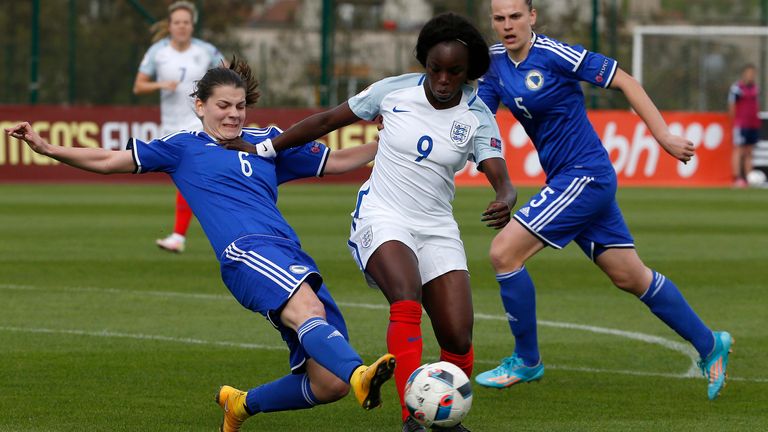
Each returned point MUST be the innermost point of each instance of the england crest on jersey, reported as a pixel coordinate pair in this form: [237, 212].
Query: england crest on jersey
[460, 133]
[367, 238]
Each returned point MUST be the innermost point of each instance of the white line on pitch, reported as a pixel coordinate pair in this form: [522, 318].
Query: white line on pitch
[141, 336]
[642, 337]
[191, 341]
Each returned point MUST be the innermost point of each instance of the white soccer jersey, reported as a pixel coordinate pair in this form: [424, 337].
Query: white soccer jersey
[421, 148]
[164, 63]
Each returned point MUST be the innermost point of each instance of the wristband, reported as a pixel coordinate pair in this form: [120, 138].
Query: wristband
[265, 149]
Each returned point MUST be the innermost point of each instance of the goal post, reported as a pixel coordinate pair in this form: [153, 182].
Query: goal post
[759, 53]
[703, 59]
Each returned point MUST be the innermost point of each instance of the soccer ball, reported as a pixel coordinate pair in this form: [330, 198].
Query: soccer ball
[756, 178]
[438, 394]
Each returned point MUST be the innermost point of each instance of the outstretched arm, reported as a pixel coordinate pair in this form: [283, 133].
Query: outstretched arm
[348, 159]
[679, 147]
[315, 126]
[497, 215]
[100, 161]
[307, 130]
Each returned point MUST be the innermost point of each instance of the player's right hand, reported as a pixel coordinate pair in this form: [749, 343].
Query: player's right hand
[24, 132]
[169, 85]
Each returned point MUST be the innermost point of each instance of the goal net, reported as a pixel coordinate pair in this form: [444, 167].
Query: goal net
[691, 68]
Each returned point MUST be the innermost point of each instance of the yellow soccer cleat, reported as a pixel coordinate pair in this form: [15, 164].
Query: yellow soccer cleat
[232, 401]
[366, 381]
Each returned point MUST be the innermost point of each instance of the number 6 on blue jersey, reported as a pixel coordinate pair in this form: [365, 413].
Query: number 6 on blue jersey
[424, 152]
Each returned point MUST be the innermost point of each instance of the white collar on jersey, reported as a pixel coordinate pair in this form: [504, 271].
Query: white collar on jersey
[533, 39]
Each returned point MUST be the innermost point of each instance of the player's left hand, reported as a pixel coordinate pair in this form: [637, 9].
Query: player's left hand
[679, 147]
[239, 145]
[497, 215]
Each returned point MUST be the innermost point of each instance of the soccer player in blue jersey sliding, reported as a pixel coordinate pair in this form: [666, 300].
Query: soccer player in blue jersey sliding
[234, 195]
[538, 78]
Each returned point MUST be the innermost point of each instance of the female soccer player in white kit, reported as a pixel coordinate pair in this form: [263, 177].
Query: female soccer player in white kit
[176, 62]
[403, 232]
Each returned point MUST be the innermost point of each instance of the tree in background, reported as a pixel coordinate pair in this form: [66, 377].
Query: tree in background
[110, 39]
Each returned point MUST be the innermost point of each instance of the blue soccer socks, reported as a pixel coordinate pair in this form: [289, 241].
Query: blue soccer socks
[291, 392]
[324, 343]
[667, 303]
[519, 297]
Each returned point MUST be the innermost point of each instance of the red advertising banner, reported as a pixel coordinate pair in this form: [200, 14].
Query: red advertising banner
[638, 159]
[636, 156]
[111, 127]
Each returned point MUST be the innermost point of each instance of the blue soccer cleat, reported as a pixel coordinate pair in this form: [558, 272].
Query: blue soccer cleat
[714, 366]
[511, 371]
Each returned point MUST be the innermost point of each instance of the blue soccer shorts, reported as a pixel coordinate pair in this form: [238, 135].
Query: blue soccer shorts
[745, 136]
[263, 272]
[580, 208]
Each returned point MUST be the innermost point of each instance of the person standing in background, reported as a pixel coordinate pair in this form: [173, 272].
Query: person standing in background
[743, 106]
[175, 61]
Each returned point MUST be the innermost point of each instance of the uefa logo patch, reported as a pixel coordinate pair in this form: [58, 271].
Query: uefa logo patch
[367, 238]
[534, 80]
[460, 133]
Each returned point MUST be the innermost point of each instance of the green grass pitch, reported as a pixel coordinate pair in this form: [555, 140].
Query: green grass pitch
[101, 331]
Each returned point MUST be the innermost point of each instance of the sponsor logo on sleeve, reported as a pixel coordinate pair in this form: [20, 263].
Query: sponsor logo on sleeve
[603, 69]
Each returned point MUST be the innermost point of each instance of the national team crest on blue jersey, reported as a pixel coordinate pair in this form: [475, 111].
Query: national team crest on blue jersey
[534, 80]
[460, 132]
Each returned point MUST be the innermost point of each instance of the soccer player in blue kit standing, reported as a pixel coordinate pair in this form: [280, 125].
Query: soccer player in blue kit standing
[538, 78]
[234, 195]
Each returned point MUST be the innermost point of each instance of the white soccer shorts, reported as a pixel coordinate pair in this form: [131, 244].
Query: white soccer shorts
[439, 249]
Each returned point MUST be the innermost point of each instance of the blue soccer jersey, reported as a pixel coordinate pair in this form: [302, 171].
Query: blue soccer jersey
[544, 95]
[233, 194]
